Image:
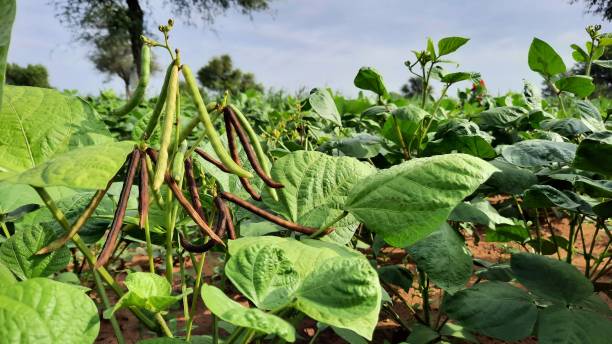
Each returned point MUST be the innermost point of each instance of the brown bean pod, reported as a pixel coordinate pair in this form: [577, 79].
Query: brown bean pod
[228, 217]
[271, 217]
[193, 188]
[111, 240]
[211, 160]
[250, 153]
[219, 228]
[231, 143]
[185, 203]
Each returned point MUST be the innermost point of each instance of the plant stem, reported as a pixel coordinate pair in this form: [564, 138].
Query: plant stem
[107, 304]
[149, 245]
[424, 284]
[314, 337]
[196, 294]
[537, 226]
[398, 132]
[91, 259]
[552, 233]
[570, 245]
[163, 325]
[433, 114]
[7, 234]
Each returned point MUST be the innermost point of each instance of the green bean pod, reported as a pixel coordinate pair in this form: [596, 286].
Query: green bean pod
[261, 156]
[178, 167]
[210, 130]
[159, 106]
[166, 134]
[143, 81]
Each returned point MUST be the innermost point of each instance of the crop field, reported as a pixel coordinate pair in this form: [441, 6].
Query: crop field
[250, 216]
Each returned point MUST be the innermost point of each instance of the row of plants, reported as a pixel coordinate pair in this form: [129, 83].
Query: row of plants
[303, 198]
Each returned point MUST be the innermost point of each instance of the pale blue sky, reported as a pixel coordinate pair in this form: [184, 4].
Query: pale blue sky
[314, 43]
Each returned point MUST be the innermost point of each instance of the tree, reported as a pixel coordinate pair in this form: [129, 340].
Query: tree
[219, 75]
[32, 75]
[599, 7]
[94, 18]
[414, 88]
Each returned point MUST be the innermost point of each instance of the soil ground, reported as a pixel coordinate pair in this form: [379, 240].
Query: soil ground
[388, 329]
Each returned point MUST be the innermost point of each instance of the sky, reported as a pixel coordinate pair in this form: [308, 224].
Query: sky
[323, 43]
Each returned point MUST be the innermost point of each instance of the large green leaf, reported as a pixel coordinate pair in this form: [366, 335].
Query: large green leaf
[444, 257]
[561, 325]
[323, 105]
[334, 284]
[7, 13]
[38, 123]
[495, 309]
[360, 146]
[343, 292]
[408, 119]
[580, 85]
[544, 59]
[88, 167]
[550, 278]
[475, 145]
[6, 276]
[264, 274]
[407, 202]
[546, 196]
[13, 196]
[231, 311]
[41, 310]
[538, 153]
[18, 253]
[370, 79]
[595, 153]
[316, 186]
[510, 179]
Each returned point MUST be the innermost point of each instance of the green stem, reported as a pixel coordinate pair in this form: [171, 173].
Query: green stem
[424, 283]
[149, 245]
[314, 337]
[196, 292]
[107, 305]
[552, 233]
[398, 132]
[91, 259]
[570, 244]
[433, 114]
[163, 325]
[538, 236]
[7, 234]
[159, 106]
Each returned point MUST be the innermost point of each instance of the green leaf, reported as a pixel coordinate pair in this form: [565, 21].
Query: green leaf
[408, 118]
[342, 292]
[449, 45]
[546, 196]
[539, 153]
[451, 78]
[88, 167]
[146, 290]
[407, 202]
[495, 309]
[7, 13]
[588, 113]
[457, 331]
[18, 253]
[323, 105]
[361, 146]
[370, 79]
[231, 311]
[579, 54]
[510, 179]
[336, 285]
[580, 85]
[550, 278]
[396, 275]
[475, 145]
[500, 117]
[567, 127]
[445, 258]
[507, 233]
[421, 334]
[595, 153]
[544, 59]
[430, 48]
[6, 276]
[38, 123]
[480, 211]
[561, 325]
[316, 186]
[264, 274]
[41, 310]
[604, 63]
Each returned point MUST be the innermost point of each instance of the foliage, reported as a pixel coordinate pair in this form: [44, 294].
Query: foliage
[31, 75]
[220, 75]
